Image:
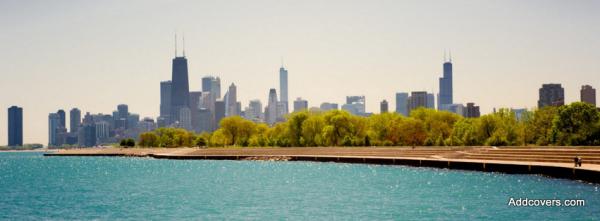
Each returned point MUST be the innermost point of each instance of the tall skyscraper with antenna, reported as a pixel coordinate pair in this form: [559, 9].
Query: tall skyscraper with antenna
[283, 87]
[446, 93]
[180, 92]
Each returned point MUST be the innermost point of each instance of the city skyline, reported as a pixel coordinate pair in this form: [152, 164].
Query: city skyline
[58, 75]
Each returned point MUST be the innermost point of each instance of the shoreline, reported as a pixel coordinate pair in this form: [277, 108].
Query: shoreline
[545, 161]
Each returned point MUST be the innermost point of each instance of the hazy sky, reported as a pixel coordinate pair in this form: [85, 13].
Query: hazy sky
[96, 54]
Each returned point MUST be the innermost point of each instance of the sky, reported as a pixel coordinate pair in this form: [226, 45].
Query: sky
[94, 55]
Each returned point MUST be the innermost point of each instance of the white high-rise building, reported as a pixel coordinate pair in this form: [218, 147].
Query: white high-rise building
[283, 87]
[231, 104]
[102, 130]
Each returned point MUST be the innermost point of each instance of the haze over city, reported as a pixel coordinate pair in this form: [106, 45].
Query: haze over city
[65, 54]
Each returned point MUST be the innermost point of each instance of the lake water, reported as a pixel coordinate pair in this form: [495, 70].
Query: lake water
[34, 187]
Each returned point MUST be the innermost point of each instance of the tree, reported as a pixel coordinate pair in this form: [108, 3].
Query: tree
[237, 130]
[127, 142]
[413, 132]
[218, 139]
[575, 124]
[148, 139]
[438, 124]
[295, 122]
[259, 138]
[338, 126]
[130, 142]
[312, 130]
[123, 143]
[465, 132]
[385, 128]
[499, 129]
[540, 125]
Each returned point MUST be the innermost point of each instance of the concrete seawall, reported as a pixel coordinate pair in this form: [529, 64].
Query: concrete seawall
[423, 157]
[592, 176]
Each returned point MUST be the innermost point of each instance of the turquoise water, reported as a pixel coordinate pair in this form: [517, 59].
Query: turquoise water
[34, 187]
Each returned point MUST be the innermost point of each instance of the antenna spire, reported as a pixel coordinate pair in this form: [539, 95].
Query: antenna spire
[175, 44]
[450, 54]
[183, 44]
[444, 55]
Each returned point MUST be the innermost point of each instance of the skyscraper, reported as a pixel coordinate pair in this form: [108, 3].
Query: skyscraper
[446, 91]
[185, 118]
[219, 112]
[355, 105]
[271, 109]
[402, 103]
[326, 106]
[53, 125]
[551, 95]
[254, 112]
[457, 109]
[283, 87]
[300, 104]
[231, 101]
[212, 85]
[417, 99]
[89, 135]
[123, 115]
[180, 90]
[123, 110]
[195, 104]
[431, 102]
[165, 99]
[471, 110]
[15, 126]
[383, 106]
[63, 118]
[588, 94]
[74, 120]
[204, 120]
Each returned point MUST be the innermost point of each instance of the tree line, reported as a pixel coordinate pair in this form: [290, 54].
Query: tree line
[574, 124]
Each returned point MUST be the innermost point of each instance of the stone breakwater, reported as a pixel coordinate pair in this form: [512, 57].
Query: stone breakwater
[267, 158]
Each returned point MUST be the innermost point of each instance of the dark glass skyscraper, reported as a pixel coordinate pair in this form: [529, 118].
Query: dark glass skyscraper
[63, 118]
[445, 95]
[75, 119]
[551, 95]
[180, 89]
[15, 126]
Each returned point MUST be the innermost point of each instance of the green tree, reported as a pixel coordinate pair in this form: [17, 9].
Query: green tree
[338, 126]
[540, 125]
[384, 129]
[148, 139]
[312, 130]
[413, 132]
[130, 142]
[295, 122]
[237, 130]
[438, 124]
[575, 124]
[465, 132]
